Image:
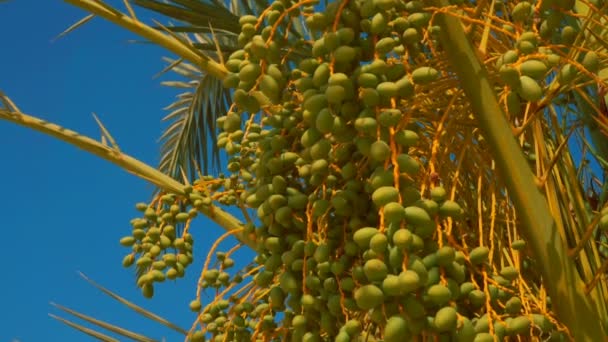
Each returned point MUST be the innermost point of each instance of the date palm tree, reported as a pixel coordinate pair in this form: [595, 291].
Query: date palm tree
[520, 172]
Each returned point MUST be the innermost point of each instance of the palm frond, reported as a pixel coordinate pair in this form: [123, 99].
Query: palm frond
[189, 142]
[202, 114]
[209, 28]
[146, 313]
[221, 14]
[185, 142]
[99, 324]
[196, 29]
[167, 41]
[207, 47]
[10, 112]
[196, 13]
[83, 329]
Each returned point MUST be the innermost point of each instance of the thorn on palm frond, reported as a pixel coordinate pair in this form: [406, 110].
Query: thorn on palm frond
[130, 9]
[169, 67]
[105, 135]
[74, 26]
[6, 103]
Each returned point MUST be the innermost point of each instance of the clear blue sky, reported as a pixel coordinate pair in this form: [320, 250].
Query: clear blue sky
[62, 209]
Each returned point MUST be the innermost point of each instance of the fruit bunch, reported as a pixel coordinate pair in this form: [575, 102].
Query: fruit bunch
[334, 145]
[160, 250]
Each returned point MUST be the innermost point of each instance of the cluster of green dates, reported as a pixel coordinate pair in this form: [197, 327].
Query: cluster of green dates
[159, 251]
[525, 74]
[525, 67]
[323, 154]
[347, 244]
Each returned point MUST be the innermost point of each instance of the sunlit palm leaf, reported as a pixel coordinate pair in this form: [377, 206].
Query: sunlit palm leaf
[164, 39]
[196, 13]
[113, 328]
[218, 13]
[88, 331]
[189, 142]
[196, 29]
[136, 308]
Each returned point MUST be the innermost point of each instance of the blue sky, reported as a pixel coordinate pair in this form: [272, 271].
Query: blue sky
[64, 210]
